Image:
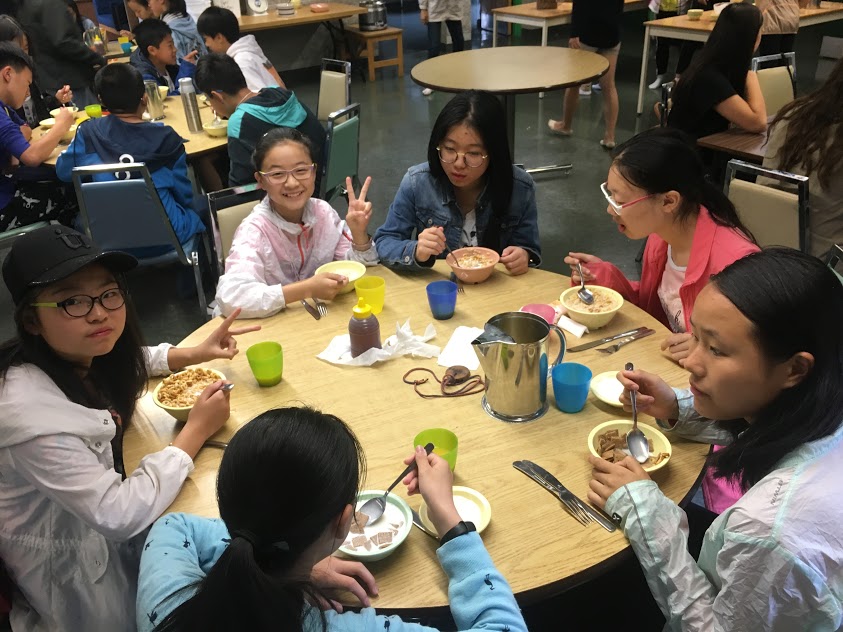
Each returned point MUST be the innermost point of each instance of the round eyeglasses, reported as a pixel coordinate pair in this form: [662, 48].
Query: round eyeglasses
[617, 208]
[472, 159]
[280, 176]
[81, 305]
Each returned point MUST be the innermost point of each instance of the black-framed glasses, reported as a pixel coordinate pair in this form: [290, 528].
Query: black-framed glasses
[280, 176]
[472, 159]
[81, 305]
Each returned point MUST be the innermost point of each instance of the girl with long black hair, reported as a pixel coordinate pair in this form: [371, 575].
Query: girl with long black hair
[72, 519]
[768, 356]
[286, 488]
[468, 193]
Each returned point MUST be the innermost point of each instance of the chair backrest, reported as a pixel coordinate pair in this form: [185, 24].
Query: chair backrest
[334, 87]
[775, 217]
[777, 83]
[665, 103]
[342, 151]
[124, 214]
[228, 208]
[9, 236]
[835, 261]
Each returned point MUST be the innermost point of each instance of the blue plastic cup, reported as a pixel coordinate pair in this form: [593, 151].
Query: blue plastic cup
[442, 297]
[570, 386]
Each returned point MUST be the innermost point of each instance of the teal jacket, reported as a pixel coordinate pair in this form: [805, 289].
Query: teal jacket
[180, 549]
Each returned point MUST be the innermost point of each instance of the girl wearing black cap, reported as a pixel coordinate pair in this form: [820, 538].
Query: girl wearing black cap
[71, 521]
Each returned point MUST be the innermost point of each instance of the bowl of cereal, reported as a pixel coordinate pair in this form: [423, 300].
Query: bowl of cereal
[473, 264]
[372, 542]
[608, 441]
[600, 313]
[177, 393]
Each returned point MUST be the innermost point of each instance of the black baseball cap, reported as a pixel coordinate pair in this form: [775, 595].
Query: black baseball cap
[53, 253]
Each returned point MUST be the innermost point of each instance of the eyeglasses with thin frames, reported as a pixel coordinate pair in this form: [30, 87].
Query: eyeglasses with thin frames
[280, 176]
[80, 305]
[472, 159]
[617, 208]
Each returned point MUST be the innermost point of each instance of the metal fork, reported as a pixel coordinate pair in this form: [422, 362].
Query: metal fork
[321, 307]
[625, 341]
[460, 288]
[576, 512]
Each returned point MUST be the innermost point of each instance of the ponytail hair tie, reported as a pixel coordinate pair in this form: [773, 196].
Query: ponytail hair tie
[247, 535]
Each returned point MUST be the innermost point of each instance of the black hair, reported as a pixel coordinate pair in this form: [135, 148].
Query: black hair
[215, 20]
[795, 304]
[10, 29]
[151, 32]
[666, 159]
[217, 72]
[119, 377]
[484, 113]
[729, 49]
[119, 88]
[77, 16]
[175, 7]
[12, 55]
[283, 458]
[277, 136]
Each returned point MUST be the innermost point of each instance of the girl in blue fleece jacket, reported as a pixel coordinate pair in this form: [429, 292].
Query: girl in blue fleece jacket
[258, 568]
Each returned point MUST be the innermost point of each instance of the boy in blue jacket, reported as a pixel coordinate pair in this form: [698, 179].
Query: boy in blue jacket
[156, 58]
[125, 137]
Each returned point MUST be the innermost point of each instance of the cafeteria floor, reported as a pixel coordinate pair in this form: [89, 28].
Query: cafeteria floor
[396, 122]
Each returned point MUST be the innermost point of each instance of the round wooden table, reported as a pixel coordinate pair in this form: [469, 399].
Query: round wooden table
[538, 547]
[510, 71]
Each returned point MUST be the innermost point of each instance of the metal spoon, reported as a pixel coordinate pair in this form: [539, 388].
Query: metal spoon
[584, 294]
[635, 439]
[451, 252]
[374, 507]
[227, 387]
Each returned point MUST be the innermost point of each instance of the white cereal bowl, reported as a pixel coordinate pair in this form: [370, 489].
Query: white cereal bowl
[394, 505]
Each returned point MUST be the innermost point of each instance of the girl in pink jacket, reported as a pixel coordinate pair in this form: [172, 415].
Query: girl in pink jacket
[278, 247]
[656, 189]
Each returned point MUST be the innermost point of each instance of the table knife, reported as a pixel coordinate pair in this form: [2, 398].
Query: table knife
[602, 519]
[602, 341]
[417, 521]
[311, 310]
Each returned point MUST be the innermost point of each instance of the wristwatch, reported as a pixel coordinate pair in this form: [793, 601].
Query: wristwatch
[461, 528]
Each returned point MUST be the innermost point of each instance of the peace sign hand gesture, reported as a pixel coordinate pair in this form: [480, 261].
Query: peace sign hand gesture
[359, 212]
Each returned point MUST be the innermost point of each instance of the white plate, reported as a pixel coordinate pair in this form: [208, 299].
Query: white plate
[472, 506]
[606, 388]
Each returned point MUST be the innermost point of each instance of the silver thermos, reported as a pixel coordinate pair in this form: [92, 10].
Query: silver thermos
[191, 105]
[154, 105]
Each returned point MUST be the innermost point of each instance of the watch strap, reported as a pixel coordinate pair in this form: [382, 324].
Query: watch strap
[461, 528]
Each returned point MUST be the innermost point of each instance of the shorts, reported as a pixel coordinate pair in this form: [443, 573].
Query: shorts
[614, 50]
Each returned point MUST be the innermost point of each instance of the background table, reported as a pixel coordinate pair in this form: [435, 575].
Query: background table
[737, 143]
[539, 548]
[197, 144]
[682, 28]
[510, 71]
[529, 15]
[252, 23]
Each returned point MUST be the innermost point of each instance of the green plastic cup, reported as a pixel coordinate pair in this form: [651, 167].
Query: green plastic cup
[372, 290]
[444, 443]
[93, 111]
[266, 359]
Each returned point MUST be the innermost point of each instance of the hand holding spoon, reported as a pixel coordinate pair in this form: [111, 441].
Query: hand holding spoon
[374, 507]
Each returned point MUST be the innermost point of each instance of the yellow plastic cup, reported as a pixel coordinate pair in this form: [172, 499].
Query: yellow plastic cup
[444, 443]
[266, 359]
[372, 290]
[122, 39]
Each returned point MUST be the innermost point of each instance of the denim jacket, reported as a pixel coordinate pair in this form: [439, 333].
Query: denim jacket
[422, 202]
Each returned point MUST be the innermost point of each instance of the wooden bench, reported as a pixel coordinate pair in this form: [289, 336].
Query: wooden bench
[371, 39]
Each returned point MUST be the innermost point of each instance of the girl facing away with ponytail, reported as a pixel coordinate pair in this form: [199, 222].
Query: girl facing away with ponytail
[657, 189]
[286, 504]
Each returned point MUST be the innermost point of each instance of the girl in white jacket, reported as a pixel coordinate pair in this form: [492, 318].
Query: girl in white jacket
[767, 354]
[278, 247]
[72, 520]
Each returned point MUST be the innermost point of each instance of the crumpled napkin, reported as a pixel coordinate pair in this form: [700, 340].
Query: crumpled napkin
[458, 351]
[403, 342]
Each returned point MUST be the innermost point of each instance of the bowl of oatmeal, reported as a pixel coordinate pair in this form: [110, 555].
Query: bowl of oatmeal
[474, 264]
[607, 303]
[608, 441]
[177, 393]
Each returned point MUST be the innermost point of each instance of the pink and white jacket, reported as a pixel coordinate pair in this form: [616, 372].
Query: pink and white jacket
[269, 252]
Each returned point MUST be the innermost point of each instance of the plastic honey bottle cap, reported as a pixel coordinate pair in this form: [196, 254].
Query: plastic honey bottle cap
[362, 309]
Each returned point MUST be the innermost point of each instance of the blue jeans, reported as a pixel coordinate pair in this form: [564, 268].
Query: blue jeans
[434, 37]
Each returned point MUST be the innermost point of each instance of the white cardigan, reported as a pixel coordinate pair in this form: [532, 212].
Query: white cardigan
[70, 529]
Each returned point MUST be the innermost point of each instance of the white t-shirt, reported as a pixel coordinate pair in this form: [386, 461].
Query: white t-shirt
[672, 280]
[469, 230]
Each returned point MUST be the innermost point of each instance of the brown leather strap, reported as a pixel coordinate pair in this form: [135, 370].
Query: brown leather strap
[472, 385]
